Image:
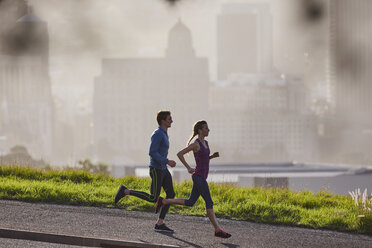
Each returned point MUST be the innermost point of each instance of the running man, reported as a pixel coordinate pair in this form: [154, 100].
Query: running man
[160, 176]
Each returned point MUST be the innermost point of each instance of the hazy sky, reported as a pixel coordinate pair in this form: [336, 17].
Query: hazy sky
[82, 32]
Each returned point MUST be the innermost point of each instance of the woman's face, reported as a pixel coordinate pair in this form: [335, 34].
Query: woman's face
[204, 130]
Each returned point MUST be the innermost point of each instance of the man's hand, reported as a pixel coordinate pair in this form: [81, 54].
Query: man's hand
[171, 163]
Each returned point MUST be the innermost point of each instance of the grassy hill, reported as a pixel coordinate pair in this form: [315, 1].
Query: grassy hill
[280, 206]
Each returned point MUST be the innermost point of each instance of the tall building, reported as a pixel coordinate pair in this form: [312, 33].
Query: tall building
[350, 46]
[129, 93]
[351, 56]
[244, 39]
[263, 118]
[10, 12]
[256, 115]
[25, 90]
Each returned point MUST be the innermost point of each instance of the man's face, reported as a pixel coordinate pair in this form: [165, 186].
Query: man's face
[168, 121]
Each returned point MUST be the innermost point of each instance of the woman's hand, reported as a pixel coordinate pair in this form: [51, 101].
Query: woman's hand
[215, 155]
[191, 170]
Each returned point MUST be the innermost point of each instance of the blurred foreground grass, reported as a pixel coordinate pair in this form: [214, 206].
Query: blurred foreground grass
[280, 206]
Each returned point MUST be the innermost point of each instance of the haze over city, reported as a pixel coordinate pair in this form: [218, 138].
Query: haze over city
[276, 80]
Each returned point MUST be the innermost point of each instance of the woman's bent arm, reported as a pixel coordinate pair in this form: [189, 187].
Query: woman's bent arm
[181, 154]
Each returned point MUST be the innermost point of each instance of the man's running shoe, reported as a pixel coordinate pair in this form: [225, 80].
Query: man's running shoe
[120, 194]
[162, 228]
[222, 234]
[159, 204]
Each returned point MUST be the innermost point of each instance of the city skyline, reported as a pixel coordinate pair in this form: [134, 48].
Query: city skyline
[122, 35]
[180, 45]
[80, 52]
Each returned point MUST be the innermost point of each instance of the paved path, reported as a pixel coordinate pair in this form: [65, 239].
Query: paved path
[138, 227]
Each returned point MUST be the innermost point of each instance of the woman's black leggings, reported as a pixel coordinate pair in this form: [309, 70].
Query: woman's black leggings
[159, 178]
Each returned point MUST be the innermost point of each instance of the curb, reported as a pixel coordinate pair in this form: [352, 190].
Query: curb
[74, 240]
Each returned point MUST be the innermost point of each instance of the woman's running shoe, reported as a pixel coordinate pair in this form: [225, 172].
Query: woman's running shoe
[222, 234]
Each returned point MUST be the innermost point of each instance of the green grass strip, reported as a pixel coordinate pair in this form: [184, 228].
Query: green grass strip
[280, 206]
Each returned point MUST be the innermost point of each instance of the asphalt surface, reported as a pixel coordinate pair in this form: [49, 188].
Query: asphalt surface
[138, 226]
[14, 243]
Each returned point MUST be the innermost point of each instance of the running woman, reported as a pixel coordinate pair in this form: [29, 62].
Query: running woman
[199, 176]
[160, 176]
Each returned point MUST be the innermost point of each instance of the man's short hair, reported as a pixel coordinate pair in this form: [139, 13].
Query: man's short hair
[162, 115]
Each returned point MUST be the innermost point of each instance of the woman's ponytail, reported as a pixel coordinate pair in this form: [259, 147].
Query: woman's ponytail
[188, 143]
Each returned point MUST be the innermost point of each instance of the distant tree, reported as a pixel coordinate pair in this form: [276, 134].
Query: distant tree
[100, 168]
[19, 150]
[19, 156]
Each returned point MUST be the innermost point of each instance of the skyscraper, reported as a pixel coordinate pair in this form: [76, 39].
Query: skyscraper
[10, 12]
[244, 39]
[351, 56]
[25, 90]
[350, 46]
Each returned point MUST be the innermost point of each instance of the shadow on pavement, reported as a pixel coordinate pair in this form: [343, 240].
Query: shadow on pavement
[187, 242]
[230, 245]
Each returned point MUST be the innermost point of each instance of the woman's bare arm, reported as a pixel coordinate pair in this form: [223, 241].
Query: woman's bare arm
[180, 155]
